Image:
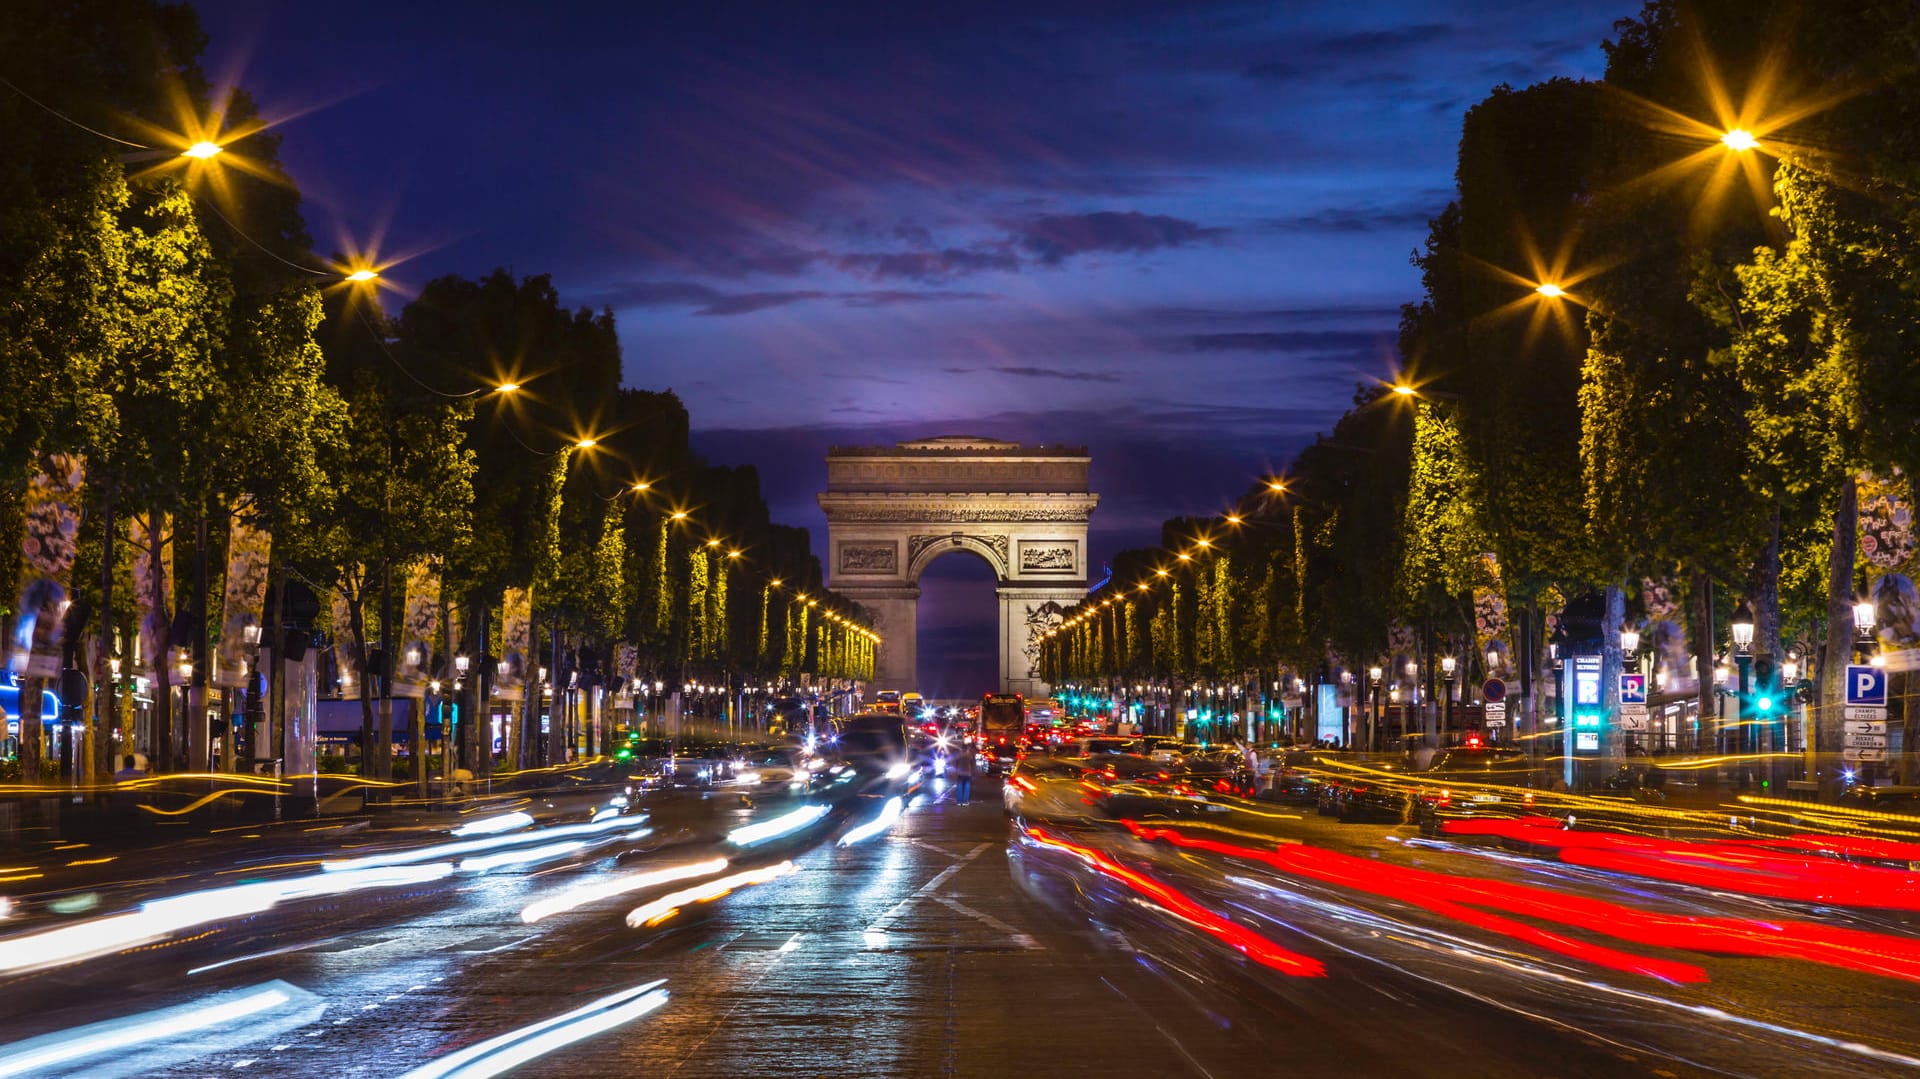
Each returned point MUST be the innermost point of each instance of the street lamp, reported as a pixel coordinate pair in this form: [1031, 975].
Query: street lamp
[460, 663]
[1374, 674]
[1742, 627]
[1493, 660]
[1629, 641]
[1447, 666]
[1865, 617]
[1739, 140]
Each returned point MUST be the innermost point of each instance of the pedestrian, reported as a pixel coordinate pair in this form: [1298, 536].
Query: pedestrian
[129, 769]
[960, 770]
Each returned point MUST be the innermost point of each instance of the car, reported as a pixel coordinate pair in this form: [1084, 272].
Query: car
[773, 770]
[1479, 781]
[1901, 799]
[1379, 793]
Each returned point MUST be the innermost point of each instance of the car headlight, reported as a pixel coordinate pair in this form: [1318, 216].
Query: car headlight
[898, 771]
[748, 777]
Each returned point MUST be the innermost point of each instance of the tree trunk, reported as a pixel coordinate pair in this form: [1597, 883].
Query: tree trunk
[387, 664]
[1840, 629]
[1701, 636]
[1766, 615]
[32, 734]
[273, 638]
[1613, 617]
[517, 733]
[556, 721]
[162, 757]
[102, 706]
[198, 733]
[357, 621]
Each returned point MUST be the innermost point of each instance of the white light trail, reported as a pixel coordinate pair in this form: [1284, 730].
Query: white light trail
[158, 918]
[517, 1047]
[889, 813]
[667, 905]
[505, 822]
[475, 846]
[751, 834]
[580, 895]
[51, 1054]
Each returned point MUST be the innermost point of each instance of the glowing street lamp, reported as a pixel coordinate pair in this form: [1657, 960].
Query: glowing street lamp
[363, 275]
[1739, 140]
[1405, 390]
[1550, 290]
[1865, 618]
[586, 444]
[202, 150]
[507, 387]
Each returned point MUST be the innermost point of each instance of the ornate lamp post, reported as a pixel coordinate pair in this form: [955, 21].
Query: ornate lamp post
[1448, 665]
[1742, 628]
[1373, 708]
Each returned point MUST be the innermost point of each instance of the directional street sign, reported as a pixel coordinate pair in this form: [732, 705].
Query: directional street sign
[1852, 754]
[1866, 726]
[1870, 714]
[1866, 741]
[1866, 686]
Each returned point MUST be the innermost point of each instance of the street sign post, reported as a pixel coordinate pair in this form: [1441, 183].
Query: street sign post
[1865, 714]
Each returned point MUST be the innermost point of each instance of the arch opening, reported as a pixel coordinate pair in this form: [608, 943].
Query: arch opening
[958, 625]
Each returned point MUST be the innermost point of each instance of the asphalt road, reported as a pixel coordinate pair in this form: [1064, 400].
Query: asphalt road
[955, 943]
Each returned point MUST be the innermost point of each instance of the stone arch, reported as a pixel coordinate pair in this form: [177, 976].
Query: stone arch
[924, 555]
[892, 510]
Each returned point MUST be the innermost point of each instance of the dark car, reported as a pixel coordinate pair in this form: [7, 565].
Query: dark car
[1482, 782]
[1381, 793]
[874, 745]
[1900, 799]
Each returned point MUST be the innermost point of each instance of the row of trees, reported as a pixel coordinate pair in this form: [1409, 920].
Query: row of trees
[170, 340]
[1667, 330]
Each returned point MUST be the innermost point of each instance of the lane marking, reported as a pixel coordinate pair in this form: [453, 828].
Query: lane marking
[990, 921]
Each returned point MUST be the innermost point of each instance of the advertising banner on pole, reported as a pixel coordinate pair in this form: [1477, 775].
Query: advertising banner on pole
[52, 511]
[148, 535]
[516, 621]
[244, 603]
[412, 664]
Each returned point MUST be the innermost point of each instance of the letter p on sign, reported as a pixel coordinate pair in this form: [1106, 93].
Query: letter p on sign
[1866, 686]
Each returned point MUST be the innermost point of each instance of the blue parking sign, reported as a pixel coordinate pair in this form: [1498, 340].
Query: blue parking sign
[1633, 689]
[1866, 686]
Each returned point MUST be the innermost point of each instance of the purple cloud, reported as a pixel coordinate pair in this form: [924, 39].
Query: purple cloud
[1052, 238]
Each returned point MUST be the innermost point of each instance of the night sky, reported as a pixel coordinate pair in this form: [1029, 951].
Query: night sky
[1176, 233]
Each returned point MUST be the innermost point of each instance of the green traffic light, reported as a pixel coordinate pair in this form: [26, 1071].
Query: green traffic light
[1765, 704]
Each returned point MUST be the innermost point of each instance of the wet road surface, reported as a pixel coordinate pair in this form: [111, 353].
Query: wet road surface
[955, 943]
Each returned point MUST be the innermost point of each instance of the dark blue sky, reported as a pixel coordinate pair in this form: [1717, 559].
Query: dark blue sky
[1175, 232]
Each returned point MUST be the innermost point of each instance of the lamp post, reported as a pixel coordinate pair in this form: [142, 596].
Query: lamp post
[1373, 708]
[1742, 627]
[1448, 665]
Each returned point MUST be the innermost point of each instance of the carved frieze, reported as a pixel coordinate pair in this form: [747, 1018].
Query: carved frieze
[958, 514]
[869, 558]
[1051, 557]
[919, 543]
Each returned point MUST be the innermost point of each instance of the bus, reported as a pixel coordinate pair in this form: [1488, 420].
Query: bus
[887, 701]
[1003, 723]
[912, 704]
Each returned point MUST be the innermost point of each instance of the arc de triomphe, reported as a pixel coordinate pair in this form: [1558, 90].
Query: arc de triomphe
[892, 510]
